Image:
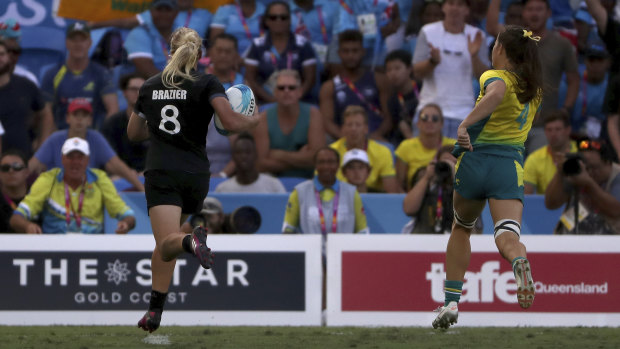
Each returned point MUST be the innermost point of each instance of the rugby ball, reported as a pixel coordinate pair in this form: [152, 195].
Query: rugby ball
[241, 99]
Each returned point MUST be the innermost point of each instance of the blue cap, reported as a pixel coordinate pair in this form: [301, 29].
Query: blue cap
[10, 29]
[596, 50]
[168, 3]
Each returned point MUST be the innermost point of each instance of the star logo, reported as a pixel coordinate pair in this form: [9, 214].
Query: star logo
[458, 181]
[117, 272]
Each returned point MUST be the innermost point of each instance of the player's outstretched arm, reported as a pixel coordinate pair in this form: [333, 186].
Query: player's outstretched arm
[231, 120]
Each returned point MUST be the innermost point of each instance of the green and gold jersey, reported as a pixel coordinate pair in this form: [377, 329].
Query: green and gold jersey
[511, 120]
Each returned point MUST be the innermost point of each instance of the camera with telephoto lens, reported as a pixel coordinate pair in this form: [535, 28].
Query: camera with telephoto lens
[571, 165]
[443, 170]
[243, 220]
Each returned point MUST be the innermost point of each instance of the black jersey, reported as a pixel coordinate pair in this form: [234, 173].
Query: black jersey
[178, 120]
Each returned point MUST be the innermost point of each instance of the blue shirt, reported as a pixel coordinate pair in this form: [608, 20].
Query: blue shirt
[297, 54]
[145, 42]
[61, 85]
[227, 17]
[589, 101]
[50, 154]
[308, 23]
[198, 19]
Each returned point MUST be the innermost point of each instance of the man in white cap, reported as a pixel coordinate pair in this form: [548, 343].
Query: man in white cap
[356, 168]
[72, 198]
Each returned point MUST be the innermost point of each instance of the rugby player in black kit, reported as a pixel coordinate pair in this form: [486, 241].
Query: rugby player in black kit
[174, 109]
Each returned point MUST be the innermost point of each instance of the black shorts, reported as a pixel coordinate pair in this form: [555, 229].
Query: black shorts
[177, 188]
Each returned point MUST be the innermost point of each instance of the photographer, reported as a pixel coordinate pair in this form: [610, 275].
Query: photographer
[243, 220]
[429, 202]
[593, 180]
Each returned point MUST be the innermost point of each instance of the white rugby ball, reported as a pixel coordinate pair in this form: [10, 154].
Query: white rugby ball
[241, 99]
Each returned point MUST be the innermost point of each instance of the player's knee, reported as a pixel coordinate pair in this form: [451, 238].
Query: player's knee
[465, 224]
[507, 225]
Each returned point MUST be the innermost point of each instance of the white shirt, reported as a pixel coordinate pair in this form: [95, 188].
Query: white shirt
[264, 184]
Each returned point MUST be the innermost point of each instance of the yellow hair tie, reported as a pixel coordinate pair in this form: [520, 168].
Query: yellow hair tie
[528, 34]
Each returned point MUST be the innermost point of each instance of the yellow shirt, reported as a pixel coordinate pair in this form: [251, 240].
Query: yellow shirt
[539, 168]
[415, 155]
[381, 163]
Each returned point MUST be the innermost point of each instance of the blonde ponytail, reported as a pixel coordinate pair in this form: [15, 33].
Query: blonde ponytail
[185, 46]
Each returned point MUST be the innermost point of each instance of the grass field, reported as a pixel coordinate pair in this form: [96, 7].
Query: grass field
[87, 337]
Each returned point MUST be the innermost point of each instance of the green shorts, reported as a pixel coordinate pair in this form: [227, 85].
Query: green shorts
[481, 176]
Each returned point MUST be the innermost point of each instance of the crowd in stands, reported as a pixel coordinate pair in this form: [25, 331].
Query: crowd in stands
[355, 96]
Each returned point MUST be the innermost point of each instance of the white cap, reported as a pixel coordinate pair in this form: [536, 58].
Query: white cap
[75, 143]
[211, 205]
[355, 155]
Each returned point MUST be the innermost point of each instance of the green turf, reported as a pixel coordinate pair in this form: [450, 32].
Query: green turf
[83, 337]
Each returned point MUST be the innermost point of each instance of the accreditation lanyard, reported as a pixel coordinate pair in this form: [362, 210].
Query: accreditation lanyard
[360, 96]
[439, 210]
[584, 95]
[319, 203]
[164, 48]
[246, 28]
[69, 207]
[401, 97]
[275, 56]
[189, 18]
[319, 12]
[10, 202]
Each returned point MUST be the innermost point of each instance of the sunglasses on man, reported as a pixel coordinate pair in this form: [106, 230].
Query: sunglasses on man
[14, 166]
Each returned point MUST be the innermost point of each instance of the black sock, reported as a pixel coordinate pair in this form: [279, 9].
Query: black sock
[187, 244]
[158, 300]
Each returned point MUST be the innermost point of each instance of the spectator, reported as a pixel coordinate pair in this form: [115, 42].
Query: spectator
[148, 47]
[324, 204]
[115, 127]
[78, 77]
[13, 179]
[290, 132]
[429, 202]
[540, 165]
[558, 57]
[241, 19]
[356, 169]
[593, 180]
[418, 152]
[72, 199]
[315, 20]
[513, 15]
[404, 100]
[10, 33]
[247, 179]
[79, 119]
[223, 57]
[447, 56]
[587, 117]
[189, 16]
[19, 100]
[279, 49]
[355, 136]
[355, 85]
[428, 11]
[375, 20]
[609, 31]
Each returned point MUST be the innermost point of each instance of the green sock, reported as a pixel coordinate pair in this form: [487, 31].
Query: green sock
[514, 263]
[453, 291]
